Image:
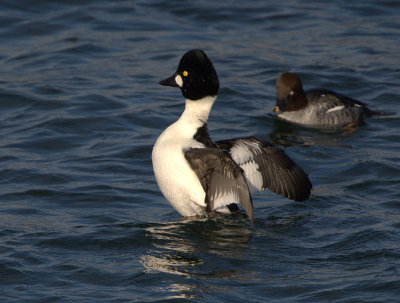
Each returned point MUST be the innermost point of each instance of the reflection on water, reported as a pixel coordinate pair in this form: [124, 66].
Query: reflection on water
[187, 255]
[287, 134]
[179, 246]
[188, 248]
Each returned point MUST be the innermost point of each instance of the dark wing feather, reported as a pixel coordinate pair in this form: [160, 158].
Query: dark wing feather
[221, 178]
[353, 109]
[268, 167]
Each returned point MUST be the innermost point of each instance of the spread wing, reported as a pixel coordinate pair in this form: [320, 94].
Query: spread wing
[221, 178]
[268, 167]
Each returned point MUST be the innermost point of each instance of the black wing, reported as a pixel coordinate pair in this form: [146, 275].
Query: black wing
[221, 178]
[268, 167]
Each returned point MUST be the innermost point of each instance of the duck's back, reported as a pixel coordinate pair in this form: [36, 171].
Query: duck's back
[334, 109]
[326, 108]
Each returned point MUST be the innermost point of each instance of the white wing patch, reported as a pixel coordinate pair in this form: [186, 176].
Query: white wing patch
[224, 198]
[333, 109]
[253, 176]
[243, 153]
[240, 151]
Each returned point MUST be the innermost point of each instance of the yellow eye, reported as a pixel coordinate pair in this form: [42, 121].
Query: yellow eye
[185, 73]
[291, 93]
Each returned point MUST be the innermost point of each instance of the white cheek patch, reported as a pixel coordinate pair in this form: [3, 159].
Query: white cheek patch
[178, 80]
[335, 108]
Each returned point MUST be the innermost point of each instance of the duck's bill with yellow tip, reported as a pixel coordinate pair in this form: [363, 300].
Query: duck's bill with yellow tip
[280, 107]
[276, 109]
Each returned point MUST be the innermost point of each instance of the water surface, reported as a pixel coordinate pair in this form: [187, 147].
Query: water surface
[82, 218]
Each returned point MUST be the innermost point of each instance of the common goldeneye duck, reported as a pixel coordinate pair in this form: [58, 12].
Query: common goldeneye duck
[199, 176]
[315, 108]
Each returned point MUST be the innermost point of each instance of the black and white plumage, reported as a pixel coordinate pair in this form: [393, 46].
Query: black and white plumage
[198, 176]
[221, 178]
[318, 107]
[268, 167]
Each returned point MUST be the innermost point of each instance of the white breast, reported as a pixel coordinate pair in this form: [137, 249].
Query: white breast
[175, 178]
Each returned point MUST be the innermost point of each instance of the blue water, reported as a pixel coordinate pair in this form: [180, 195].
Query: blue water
[82, 218]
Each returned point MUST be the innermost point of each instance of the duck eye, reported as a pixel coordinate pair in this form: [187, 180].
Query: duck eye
[185, 73]
[291, 92]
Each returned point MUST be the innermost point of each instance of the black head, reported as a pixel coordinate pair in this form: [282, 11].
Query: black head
[195, 76]
[290, 95]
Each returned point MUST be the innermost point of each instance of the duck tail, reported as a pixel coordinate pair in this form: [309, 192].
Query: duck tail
[371, 112]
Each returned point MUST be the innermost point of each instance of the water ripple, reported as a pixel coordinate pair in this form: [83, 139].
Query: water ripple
[82, 218]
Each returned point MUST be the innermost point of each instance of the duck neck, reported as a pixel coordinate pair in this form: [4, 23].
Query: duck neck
[302, 100]
[197, 112]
